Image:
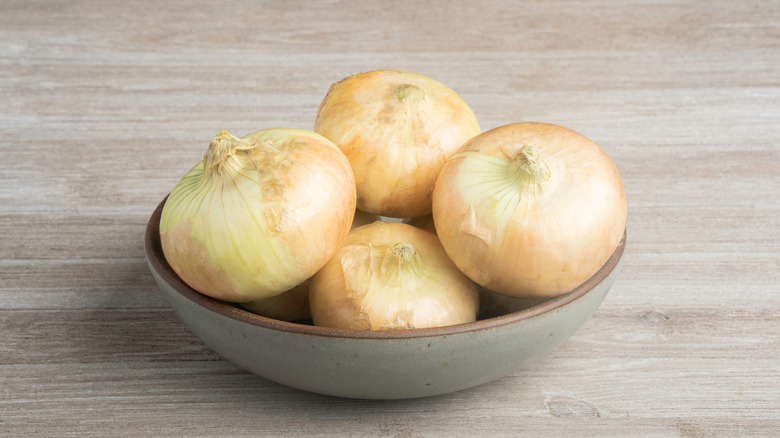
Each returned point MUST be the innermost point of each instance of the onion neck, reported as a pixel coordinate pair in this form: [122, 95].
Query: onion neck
[408, 93]
[402, 261]
[222, 148]
[530, 169]
[404, 250]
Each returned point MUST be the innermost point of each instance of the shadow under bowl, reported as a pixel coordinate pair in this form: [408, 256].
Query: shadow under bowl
[378, 364]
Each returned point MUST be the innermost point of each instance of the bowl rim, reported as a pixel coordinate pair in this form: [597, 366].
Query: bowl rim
[157, 262]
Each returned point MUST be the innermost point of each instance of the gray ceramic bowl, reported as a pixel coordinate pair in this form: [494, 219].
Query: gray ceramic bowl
[379, 364]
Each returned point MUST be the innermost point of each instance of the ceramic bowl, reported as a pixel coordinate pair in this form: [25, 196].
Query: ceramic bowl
[379, 364]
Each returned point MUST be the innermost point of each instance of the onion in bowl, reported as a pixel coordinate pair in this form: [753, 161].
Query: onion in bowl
[259, 215]
[397, 129]
[391, 276]
[529, 209]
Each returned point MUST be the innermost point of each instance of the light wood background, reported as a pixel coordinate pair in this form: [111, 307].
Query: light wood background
[104, 106]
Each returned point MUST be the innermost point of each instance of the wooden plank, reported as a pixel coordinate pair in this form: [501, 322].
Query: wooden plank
[96, 335]
[80, 284]
[210, 398]
[618, 26]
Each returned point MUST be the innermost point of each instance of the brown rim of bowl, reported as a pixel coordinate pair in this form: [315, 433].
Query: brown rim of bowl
[154, 254]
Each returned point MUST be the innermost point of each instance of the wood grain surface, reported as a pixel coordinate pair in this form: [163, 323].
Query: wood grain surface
[105, 105]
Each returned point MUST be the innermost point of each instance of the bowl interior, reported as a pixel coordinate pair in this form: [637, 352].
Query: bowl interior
[158, 262]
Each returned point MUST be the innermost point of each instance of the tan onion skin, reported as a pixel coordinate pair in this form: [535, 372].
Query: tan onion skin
[397, 129]
[560, 231]
[259, 215]
[368, 286]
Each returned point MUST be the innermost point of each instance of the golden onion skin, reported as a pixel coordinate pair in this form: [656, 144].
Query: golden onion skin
[391, 276]
[397, 129]
[259, 215]
[530, 221]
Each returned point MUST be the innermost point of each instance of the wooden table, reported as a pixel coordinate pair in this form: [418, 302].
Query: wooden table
[105, 105]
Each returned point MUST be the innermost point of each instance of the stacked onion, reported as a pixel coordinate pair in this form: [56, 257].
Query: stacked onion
[297, 224]
[529, 209]
[259, 215]
[397, 129]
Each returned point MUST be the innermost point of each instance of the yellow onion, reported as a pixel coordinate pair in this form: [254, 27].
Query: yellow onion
[391, 276]
[529, 209]
[259, 215]
[397, 129]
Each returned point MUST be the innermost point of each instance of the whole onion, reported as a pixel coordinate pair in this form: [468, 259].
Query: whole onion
[397, 129]
[259, 215]
[529, 209]
[391, 276]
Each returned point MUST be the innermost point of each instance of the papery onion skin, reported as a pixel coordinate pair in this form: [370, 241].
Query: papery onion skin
[259, 215]
[397, 129]
[543, 234]
[391, 276]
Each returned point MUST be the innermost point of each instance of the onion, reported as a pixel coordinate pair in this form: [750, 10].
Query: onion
[397, 129]
[391, 275]
[529, 209]
[259, 215]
